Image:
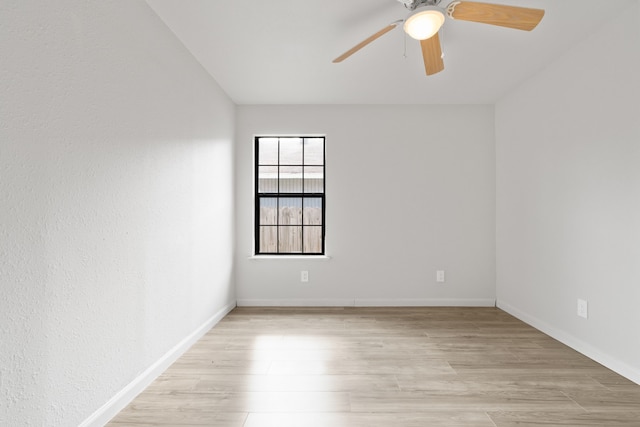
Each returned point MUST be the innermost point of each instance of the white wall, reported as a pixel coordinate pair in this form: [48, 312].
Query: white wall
[116, 195]
[410, 189]
[568, 196]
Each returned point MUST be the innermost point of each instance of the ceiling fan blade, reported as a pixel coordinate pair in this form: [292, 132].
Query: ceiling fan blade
[520, 18]
[432, 55]
[366, 41]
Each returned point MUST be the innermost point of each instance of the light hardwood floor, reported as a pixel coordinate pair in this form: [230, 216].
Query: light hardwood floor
[380, 367]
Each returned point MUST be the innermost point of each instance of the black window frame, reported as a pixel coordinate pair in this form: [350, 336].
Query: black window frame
[282, 195]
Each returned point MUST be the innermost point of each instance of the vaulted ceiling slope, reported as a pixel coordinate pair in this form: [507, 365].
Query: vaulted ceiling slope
[280, 51]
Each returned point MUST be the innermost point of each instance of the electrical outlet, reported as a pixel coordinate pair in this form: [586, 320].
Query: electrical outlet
[583, 308]
[304, 276]
[440, 276]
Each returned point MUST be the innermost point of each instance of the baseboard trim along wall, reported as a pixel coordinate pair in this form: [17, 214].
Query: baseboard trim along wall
[402, 302]
[576, 344]
[118, 402]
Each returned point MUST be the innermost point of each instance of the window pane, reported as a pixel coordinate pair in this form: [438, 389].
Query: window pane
[267, 179]
[291, 179]
[290, 151]
[290, 239]
[290, 211]
[314, 151]
[290, 195]
[312, 214]
[269, 239]
[268, 151]
[268, 211]
[313, 179]
[312, 239]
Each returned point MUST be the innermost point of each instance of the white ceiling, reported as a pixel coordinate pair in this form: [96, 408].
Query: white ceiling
[280, 51]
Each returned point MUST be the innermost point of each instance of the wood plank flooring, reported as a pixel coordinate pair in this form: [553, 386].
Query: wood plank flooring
[380, 367]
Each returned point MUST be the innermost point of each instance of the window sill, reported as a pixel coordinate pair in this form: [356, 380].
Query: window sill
[290, 257]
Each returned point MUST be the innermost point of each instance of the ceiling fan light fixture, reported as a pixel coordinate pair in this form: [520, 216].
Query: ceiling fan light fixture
[424, 22]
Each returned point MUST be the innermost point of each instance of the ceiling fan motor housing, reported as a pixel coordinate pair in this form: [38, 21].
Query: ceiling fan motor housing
[414, 4]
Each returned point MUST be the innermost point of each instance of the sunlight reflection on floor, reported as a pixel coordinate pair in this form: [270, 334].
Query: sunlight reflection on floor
[293, 355]
[296, 380]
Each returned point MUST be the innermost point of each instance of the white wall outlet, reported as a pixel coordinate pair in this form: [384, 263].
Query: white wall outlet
[440, 276]
[304, 276]
[583, 308]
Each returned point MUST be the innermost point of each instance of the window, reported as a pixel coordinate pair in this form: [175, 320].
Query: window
[290, 196]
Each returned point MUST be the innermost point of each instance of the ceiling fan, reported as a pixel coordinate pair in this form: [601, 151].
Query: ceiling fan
[426, 18]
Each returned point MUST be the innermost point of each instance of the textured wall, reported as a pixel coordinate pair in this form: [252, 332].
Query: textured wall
[115, 202]
[568, 192]
[410, 190]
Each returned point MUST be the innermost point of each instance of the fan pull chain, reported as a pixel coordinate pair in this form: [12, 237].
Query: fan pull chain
[404, 38]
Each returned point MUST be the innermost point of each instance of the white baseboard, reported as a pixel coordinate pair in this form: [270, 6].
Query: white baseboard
[118, 402]
[580, 346]
[426, 302]
[295, 302]
[362, 302]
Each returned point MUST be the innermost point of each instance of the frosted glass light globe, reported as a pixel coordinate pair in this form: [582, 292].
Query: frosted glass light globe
[424, 23]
